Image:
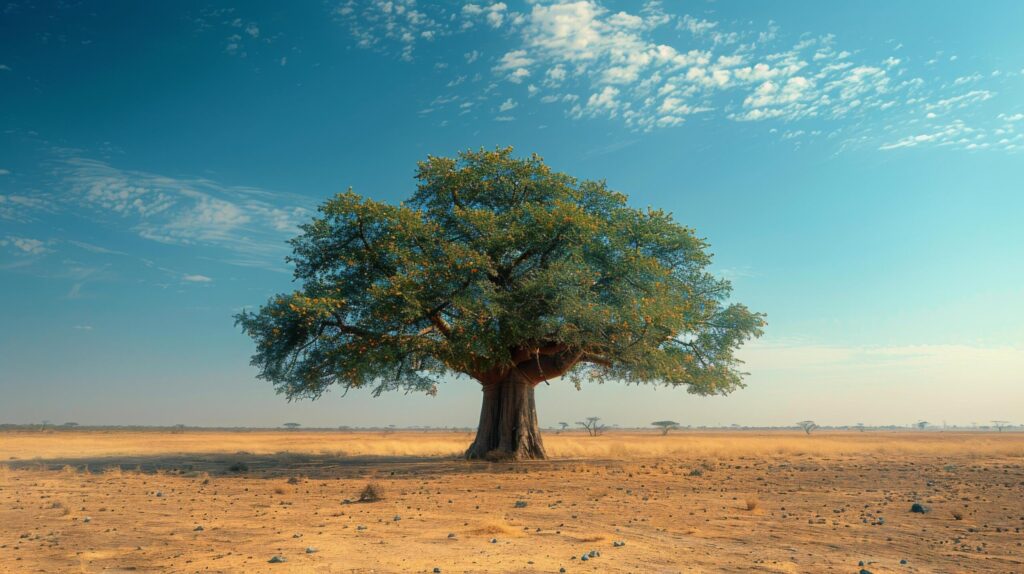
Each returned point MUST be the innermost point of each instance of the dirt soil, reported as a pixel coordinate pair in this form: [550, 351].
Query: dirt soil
[90, 501]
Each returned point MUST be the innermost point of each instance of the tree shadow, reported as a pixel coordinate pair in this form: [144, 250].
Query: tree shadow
[285, 464]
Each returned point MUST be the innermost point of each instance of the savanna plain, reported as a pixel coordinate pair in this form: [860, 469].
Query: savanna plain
[692, 501]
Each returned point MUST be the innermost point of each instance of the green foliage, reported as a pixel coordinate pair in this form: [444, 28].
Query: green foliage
[498, 263]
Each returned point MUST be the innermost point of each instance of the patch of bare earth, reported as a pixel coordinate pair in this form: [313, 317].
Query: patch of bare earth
[688, 502]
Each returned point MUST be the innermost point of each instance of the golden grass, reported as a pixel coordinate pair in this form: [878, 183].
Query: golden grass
[614, 446]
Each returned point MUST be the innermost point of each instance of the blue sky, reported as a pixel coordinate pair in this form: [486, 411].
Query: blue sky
[857, 168]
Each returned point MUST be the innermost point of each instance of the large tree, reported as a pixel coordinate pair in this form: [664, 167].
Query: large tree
[509, 273]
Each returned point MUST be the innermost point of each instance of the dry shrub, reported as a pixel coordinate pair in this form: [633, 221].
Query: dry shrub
[238, 467]
[279, 490]
[372, 492]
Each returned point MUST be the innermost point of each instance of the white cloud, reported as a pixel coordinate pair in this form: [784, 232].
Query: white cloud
[962, 100]
[696, 26]
[648, 77]
[26, 245]
[197, 279]
[5, 172]
[22, 207]
[507, 105]
[401, 21]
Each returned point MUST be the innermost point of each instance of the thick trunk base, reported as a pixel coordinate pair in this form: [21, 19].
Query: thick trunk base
[508, 423]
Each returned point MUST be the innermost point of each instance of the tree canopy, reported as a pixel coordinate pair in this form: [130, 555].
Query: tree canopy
[494, 263]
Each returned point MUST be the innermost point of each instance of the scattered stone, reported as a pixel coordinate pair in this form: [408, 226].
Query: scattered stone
[297, 535]
[452, 535]
[619, 543]
[919, 508]
[87, 519]
[360, 527]
[520, 504]
[396, 518]
[277, 559]
[437, 570]
[198, 529]
[494, 540]
[311, 550]
[158, 494]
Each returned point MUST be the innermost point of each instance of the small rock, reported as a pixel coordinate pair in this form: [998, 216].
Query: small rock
[277, 559]
[360, 527]
[903, 561]
[561, 570]
[158, 494]
[311, 550]
[864, 571]
[520, 504]
[452, 535]
[919, 508]
[87, 519]
[396, 518]
[297, 535]
[584, 558]
[619, 543]
[494, 540]
[198, 529]
[437, 570]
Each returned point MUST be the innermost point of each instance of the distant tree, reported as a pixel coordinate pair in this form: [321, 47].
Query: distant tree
[921, 424]
[665, 426]
[808, 426]
[860, 427]
[510, 273]
[291, 426]
[178, 429]
[1000, 425]
[70, 424]
[592, 425]
[564, 425]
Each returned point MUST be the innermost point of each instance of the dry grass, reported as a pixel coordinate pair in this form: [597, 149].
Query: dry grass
[612, 445]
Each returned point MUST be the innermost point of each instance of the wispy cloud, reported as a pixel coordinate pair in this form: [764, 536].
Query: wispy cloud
[197, 279]
[251, 224]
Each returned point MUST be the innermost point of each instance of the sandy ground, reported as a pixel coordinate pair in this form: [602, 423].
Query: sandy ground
[86, 501]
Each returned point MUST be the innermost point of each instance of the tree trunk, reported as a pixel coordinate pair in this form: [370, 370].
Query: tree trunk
[508, 422]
